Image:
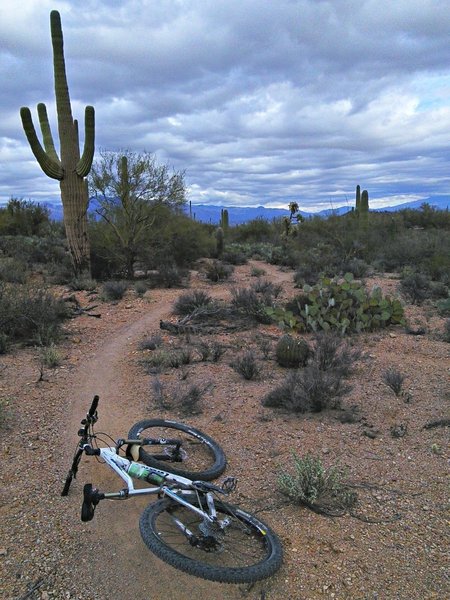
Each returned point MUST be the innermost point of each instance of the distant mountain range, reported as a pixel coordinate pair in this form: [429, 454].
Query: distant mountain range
[209, 213]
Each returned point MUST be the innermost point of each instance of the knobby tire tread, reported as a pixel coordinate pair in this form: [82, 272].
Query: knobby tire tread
[247, 574]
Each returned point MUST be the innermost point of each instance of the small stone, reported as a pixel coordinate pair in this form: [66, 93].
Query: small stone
[3, 551]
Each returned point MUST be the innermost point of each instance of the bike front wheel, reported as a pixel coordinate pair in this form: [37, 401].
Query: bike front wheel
[197, 456]
[246, 550]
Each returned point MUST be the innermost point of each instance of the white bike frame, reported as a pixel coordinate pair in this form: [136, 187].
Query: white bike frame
[185, 487]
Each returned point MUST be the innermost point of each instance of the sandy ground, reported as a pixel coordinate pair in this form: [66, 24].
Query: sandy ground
[394, 546]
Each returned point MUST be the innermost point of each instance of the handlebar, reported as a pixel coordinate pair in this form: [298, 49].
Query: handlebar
[94, 405]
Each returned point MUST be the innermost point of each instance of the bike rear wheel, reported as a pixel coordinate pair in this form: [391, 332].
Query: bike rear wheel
[199, 456]
[246, 551]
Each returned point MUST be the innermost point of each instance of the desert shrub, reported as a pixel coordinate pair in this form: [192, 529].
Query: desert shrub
[234, 257]
[24, 217]
[292, 352]
[169, 276]
[439, 290]
[217, 351]
[394, 379]
[159, 394]
[190, 301]
[204, 350]
[50, 250]
[246, 301]
[4, 343]
[254, 231]
[306, 274]
[308, 390]
[30, 314]
[246, 365]
[156, 361]
[331, 352]
[183, 356]
[416, 287]
[267, 289]
[114, 290]
[257, 272]
[340, 305]
[150, 343]
[356, 266]
[188, 399]
[265, 345]
[12, 270]
[4, 412]
[82, 284]
[438, 265]
[50, 357]
[444, 307]
[218, 271]
[140, 287]
[447, 330]
[312, 484]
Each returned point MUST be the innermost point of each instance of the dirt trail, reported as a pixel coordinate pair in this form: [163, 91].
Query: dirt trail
[125, 566]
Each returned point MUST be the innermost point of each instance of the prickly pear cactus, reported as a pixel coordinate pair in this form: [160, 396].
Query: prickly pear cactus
[292, 352]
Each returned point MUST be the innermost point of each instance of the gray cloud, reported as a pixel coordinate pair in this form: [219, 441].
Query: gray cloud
[260, 102]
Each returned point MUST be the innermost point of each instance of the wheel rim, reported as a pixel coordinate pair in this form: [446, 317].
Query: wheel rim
[240, 546]
[194, 456]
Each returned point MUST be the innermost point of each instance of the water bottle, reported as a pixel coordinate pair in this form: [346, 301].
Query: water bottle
[143, 472]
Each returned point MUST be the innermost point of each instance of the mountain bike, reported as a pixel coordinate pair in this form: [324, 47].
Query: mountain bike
[190, 527]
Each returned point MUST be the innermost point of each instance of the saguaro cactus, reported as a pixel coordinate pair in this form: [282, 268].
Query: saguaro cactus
[224, 221]
[358, 199]
[69, 169]
[365, 202]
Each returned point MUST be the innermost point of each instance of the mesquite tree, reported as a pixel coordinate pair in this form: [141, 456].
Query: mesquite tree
[128, 188]
[69, 168]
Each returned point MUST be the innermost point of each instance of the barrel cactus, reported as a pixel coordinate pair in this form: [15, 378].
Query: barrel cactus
[292, 352]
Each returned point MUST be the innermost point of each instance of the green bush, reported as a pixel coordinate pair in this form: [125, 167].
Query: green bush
[168, 276]
[114, 290]
[150, 343]
[218, 271]
[30, 314]
[416, 287]
[246, 365]
[394, 379]
[312, 484]
[140, 287]
[248, 302]
[308, 390]
[50, 357]
[12, 270]
[331, 352]
[82, 283]
[190, 301]
[447, 330]
[4, 343]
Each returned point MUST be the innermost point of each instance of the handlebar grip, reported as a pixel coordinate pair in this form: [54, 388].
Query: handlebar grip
[94, 405]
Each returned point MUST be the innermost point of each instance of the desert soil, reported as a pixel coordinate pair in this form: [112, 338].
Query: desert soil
[393, 546]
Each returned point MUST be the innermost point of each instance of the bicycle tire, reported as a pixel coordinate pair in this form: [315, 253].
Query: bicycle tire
[262, 554]
[203, 458]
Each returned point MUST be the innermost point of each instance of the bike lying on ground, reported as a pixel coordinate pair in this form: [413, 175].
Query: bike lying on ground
[189, 527]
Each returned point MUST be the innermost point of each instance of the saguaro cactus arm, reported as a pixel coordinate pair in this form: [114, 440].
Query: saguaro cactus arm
[50, 165]
[47, 136]
[85, 162]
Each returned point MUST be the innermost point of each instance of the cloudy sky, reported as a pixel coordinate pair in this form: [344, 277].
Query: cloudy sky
[262, 102]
